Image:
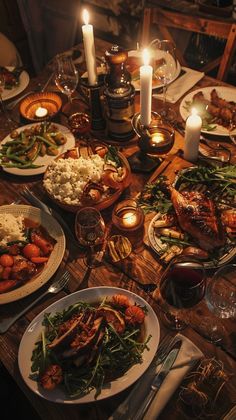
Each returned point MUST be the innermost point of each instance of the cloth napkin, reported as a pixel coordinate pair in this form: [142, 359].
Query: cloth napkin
[181, 85]
[188, 355]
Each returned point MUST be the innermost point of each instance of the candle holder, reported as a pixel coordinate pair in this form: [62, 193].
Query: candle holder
[98, 122]
[154, 140]
[127, 216]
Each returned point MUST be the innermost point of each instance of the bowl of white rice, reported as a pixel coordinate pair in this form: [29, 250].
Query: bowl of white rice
[67, 177]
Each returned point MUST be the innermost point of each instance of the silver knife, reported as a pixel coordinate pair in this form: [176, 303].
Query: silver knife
[159, 379]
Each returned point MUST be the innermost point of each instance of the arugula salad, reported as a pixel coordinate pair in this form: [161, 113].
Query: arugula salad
[87, 345]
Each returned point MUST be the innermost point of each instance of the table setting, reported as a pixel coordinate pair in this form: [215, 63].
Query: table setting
[101, 196]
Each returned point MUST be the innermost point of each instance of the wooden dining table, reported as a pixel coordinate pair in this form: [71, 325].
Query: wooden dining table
[140, 268]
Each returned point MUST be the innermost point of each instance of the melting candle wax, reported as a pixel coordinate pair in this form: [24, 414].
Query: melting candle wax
[41, 112]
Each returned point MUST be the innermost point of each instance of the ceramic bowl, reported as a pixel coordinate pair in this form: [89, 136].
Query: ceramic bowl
[86, 150]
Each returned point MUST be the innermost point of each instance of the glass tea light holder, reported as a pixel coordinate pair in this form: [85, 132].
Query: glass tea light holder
[127, 216]
[155, 140]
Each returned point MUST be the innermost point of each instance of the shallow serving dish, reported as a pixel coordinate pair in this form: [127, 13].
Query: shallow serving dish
[48, 100]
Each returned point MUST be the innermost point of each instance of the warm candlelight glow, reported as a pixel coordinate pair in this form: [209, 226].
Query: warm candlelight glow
[89, 49]
[194, 111]
[85, 16]
[146, 57]
[192, 136]
[146, 72]
[128, 216]
[41, 112]
[130, 219]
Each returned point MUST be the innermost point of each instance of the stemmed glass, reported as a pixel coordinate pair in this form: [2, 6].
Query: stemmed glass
[66, 75]
[181, 286]
[221, 298]
[90, 232]
[8, 123]
[165, 69]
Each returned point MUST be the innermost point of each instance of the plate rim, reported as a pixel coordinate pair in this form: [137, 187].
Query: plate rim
[17, 89]
[184, 114]
[35, 327]
[42, 169]
[57, 253]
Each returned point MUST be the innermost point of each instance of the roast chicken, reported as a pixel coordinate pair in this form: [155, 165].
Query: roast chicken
[197, 216]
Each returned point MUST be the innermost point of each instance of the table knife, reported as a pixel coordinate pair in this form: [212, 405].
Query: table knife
[159, 379]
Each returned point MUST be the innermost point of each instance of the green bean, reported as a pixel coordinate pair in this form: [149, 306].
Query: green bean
[13, 157]
[45, 141]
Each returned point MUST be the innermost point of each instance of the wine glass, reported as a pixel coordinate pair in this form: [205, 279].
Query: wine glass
[66, 76]
[181, 286]
[165, 70]
[90, 231]
[221, 301]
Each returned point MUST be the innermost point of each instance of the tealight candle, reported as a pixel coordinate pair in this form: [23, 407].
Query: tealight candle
[127, 215]
[192, 136]
[89, 49]
[41, 112]
[146, 90]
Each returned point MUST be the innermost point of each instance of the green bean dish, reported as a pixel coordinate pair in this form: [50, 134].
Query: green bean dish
[24, 147]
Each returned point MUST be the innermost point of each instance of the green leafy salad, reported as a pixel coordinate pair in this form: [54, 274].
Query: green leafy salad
[87, 345]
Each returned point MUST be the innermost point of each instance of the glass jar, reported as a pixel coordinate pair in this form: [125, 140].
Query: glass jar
[119, 95]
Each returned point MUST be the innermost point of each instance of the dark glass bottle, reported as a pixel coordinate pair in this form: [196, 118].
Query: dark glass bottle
[119, 95]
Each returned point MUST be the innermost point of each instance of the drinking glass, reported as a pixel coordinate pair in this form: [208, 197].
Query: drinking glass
[66, 76]
[165, 69]
[181, 286]
[221, 292]
[90, 231]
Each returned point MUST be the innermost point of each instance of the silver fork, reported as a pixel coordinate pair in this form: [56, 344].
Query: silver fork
[55, 287]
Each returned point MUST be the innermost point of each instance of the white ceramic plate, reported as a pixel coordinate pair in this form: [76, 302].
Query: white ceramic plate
[92, 295]
[157, 245]
[55, 231]
[23, 83]
[41, 160]
[155, 83]
[227, 93]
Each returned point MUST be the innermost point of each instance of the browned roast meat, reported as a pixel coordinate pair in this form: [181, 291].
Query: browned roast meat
[197, 216]
[22, 269]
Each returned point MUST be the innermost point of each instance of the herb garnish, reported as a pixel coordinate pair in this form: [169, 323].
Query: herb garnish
[156, 197]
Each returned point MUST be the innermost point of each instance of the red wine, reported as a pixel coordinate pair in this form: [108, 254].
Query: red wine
[183, 287]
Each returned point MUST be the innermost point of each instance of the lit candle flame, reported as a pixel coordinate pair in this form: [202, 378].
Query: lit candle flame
[146, 57]
[85, 16]
[129, 219]
[194, 111]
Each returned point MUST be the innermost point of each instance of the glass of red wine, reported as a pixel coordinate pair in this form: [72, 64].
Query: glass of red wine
[182, 286]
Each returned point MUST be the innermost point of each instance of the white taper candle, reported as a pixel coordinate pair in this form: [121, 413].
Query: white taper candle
[146, 90]
[89, 49]
[192, 136]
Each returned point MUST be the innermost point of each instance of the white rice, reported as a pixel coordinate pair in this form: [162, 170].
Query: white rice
[11, 228]
[66, 178]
